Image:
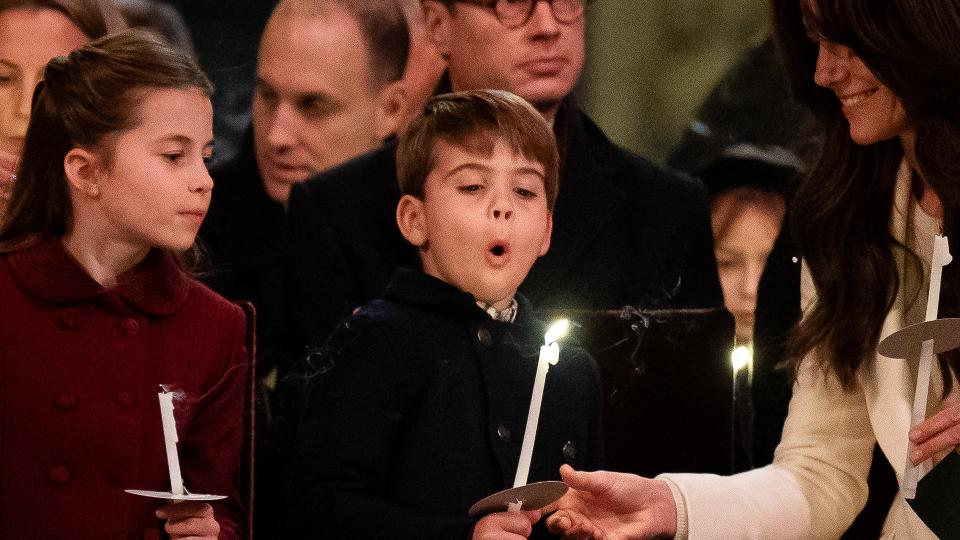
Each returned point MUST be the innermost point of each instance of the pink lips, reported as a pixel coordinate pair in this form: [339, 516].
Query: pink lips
[498, 253]
[545, 66]
[194, 216]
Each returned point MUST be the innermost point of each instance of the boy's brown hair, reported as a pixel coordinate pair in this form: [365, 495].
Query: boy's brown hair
[476, 121]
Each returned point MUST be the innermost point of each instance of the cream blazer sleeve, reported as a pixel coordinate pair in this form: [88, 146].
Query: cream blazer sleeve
[816, 485]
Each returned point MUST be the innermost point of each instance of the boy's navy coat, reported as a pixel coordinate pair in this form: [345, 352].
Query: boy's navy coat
[417, 408]
[625, 232]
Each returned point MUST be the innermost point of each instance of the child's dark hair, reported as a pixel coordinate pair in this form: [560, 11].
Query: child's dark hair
[84, 97]
[476, 121]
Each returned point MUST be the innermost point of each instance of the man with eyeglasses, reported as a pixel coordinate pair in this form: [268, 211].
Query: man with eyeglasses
[626, 231]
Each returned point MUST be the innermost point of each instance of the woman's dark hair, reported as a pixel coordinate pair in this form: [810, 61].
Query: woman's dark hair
[841, 214]
[95, 18]
[85, 96]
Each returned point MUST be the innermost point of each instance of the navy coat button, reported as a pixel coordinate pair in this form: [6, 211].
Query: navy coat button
[125, 401]
[484, 337]
[64, 401]
[70, 318]
[117, 478]
[504, 433]
[59, 475]
[569, 452]
[130, 327]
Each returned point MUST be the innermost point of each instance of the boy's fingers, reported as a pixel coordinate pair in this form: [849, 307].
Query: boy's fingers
[560, 522]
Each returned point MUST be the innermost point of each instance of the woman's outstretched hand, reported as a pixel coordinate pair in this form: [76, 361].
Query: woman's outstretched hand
[612, 506]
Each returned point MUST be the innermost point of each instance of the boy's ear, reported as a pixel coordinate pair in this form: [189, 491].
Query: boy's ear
[437, 19]
[545, 245]
[82, 167]
[411, 220]
[391, 107]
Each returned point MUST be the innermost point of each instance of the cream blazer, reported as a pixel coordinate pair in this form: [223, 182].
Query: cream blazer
[817, 483]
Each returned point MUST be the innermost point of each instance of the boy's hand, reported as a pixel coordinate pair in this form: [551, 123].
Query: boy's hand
[506, 525]
[191, 519]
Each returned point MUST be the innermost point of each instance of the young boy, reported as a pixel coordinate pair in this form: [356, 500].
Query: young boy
[421, 409]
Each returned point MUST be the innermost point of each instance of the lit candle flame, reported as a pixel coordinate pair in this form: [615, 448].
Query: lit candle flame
[740, 358]
[557, 331]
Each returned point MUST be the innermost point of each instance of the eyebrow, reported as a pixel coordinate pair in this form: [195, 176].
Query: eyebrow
[484, 168]
[297, 96]
[182, 139]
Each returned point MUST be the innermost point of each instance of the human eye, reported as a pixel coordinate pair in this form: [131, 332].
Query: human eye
[525, 193]
[174, 157]
[316, 107]
[266, 94]
[467, 187]
[8, 74]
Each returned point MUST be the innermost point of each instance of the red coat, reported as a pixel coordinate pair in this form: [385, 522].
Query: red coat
[80, 367]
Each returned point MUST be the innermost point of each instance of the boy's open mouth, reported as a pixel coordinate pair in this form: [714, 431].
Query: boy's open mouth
[498, 253]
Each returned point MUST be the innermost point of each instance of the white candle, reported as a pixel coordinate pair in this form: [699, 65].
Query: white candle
[549, 356]
[941, 257]
[170, 441]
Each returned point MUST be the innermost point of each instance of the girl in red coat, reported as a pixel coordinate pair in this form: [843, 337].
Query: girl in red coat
[96, 309]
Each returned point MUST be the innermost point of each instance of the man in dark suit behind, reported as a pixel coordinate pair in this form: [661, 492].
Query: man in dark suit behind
[626, 231]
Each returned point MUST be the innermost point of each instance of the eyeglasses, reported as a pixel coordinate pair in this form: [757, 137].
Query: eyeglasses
[516, 13]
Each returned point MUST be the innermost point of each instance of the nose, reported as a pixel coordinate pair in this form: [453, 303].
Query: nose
[833, 63]
[501, 206]
[542, 21]
[26, 95]
[750, 281]
[202, 182]
[281, 133]
[18, 121]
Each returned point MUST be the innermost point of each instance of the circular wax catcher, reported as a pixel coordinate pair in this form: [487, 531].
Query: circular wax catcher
[175, 497]
[906, 342]
[532, 496]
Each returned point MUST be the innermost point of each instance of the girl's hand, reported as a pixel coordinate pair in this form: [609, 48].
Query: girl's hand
[189, 519]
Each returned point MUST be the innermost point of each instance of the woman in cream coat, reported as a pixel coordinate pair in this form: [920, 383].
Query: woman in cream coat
[885, 80]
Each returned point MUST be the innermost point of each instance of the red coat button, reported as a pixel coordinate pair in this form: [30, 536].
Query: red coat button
[125, 401]
[117, 478]
[70, 318]
[59, 475]
[64, 401]
[130, 327]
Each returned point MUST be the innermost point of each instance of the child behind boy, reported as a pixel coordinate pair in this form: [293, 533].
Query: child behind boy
[423, 403]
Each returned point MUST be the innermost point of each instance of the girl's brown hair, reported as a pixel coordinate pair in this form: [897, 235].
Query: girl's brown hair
[842, 211]
[85, 96]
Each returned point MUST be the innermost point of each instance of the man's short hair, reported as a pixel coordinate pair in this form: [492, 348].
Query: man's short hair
[476, 121]
[382, 25]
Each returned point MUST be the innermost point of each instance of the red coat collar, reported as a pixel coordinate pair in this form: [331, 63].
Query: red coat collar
[156, 285]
